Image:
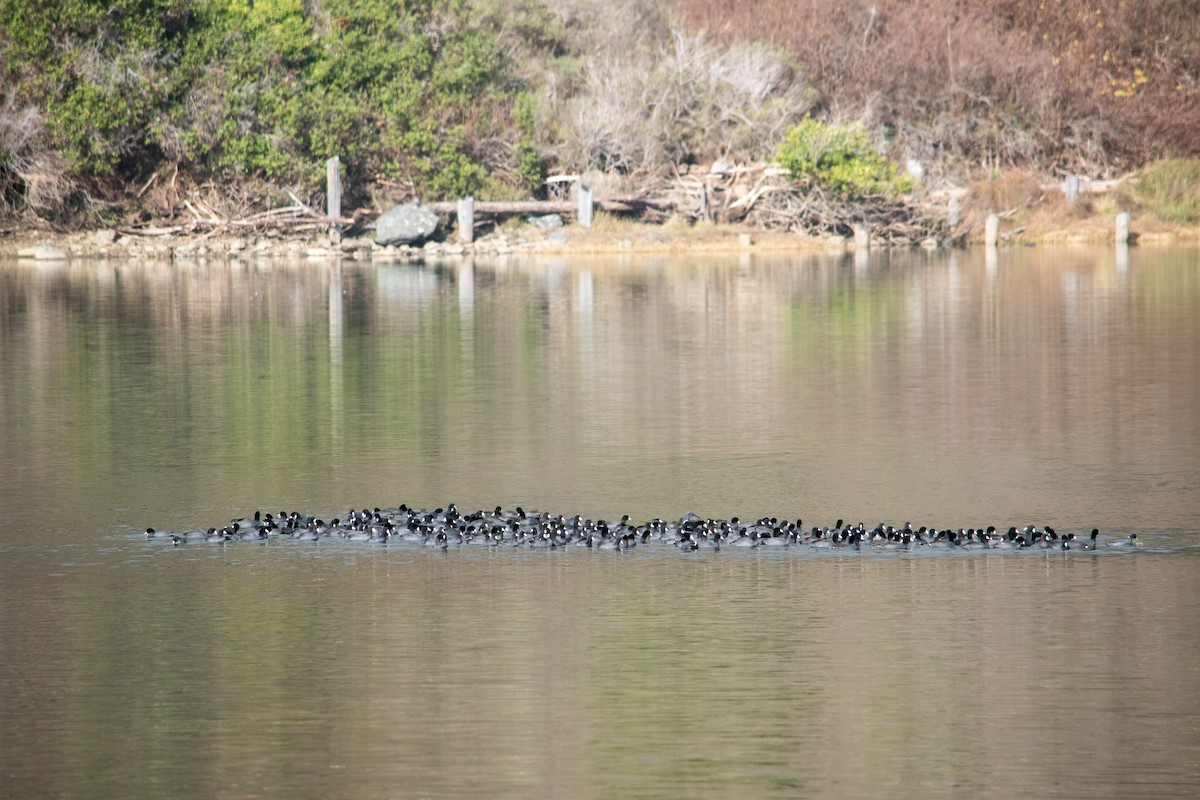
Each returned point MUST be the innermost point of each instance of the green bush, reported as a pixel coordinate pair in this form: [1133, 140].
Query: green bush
[1171, 189]
[528, 173]
[261, 93]
[98, 70]
[840, 159]
[380, 85]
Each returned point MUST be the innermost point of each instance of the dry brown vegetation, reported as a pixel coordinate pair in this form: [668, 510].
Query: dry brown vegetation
[1094, 86]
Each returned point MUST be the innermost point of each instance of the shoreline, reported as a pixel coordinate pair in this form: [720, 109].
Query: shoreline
[607, 238]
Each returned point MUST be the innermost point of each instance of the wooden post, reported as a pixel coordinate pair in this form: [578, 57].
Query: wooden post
[466, 220]
[333, 196]
[1071, 188]
[952, 215]
[991, 236]
[1123, 228]
[585, 206]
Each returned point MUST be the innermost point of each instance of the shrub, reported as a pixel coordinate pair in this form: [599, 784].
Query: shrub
[1087, 86]
[98, 71]
[32, 177]
[528, 172]
[1003, 192]
[260, 93]
[841, 160]
[275, 89]
[686, 101]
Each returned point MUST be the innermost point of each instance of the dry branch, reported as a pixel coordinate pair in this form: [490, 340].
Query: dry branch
[759, 194]
[294, 219]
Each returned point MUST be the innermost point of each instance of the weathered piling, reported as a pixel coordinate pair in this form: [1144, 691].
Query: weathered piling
[586, 206]
[991, 235]
[466, 220]
[1071, 188]
[1122, 231]
[333, 197]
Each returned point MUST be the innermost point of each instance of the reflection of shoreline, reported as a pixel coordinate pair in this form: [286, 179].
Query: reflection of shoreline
[768, 287]
[914, 380]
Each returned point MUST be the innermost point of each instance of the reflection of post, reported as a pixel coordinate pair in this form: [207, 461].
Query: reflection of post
[585, 304]
[335, 355]
[466, 314]
[466, 286]
[990, 258]
[333, 195]
[862, 236]
[587, 293]
[1122, 257]
[335, 313]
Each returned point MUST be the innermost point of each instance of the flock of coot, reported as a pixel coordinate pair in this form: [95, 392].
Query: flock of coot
[445, 528]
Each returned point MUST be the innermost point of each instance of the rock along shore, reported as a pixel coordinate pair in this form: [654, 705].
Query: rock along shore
[526, 239]
[529, 238]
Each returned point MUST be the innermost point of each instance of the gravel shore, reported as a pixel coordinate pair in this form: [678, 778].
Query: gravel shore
[611, 238]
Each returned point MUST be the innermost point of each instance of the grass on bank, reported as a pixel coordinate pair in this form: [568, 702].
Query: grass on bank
[1170, 189]
[1163, 197]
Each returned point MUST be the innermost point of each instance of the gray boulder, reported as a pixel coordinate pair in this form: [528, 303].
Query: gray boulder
[546, 221]
[103, 238]
[405, 224]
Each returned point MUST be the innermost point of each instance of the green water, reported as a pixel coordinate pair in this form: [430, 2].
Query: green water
[1047, 386]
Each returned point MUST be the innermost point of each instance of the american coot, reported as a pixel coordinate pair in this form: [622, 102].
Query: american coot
[447, 527]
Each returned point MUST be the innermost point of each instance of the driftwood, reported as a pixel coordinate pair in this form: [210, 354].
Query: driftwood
[207, 221]
[619, 205]
[762, 195]
[766, 196]
[958, 238]
[815, 212]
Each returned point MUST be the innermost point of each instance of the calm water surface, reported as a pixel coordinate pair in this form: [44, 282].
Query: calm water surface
[1046, 386]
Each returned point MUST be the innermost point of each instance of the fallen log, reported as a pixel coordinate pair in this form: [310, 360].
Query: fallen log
[620, 205]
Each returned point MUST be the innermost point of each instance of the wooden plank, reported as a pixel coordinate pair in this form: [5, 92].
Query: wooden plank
[619, 205]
